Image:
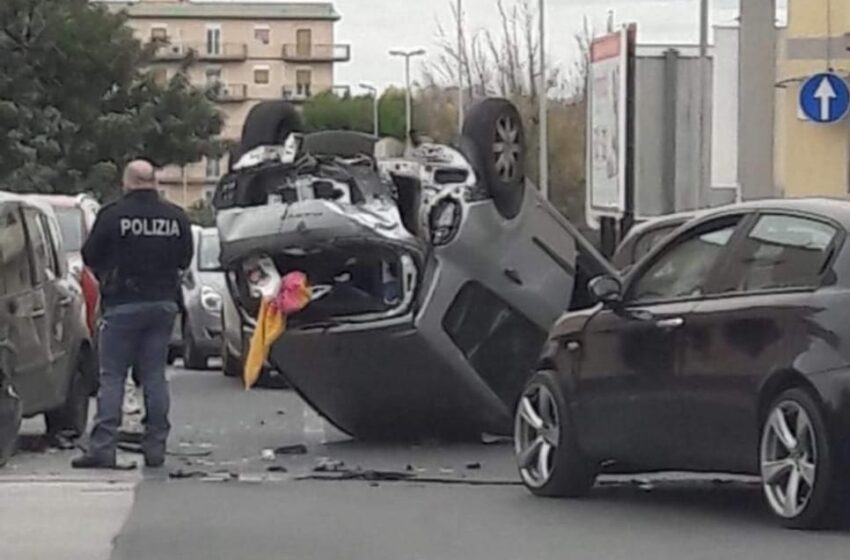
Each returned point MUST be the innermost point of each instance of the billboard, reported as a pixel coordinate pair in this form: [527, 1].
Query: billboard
[607, 126]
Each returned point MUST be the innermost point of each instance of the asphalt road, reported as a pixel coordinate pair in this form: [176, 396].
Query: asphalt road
[463, 501]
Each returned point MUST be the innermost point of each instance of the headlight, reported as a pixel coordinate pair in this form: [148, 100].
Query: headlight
[444, 221]
[210, 299]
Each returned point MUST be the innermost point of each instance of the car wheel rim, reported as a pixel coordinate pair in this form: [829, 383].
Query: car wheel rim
[536, 435]
[788, 459]
[506, 148]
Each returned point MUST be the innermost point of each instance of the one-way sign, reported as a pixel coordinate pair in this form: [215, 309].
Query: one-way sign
[825, 98]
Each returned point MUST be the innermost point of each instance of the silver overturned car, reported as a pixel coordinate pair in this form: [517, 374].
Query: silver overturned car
[436, 270]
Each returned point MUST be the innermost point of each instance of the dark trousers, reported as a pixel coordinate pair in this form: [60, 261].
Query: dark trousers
[135, 334]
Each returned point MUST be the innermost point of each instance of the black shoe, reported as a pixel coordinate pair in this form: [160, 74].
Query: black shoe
[91, 462]
[154, 461]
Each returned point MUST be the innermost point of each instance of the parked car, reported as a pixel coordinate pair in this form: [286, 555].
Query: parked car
[645, 235]
[203, 286]
[436, 274]
[726, 348]
[76, 216]
[46, 354]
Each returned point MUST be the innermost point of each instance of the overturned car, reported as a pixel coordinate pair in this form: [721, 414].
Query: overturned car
[436, 271]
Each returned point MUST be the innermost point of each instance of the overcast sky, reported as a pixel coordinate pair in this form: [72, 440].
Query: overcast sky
[375, 26]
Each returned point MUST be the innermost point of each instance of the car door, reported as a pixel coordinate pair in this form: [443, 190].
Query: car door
[24, 306]
[54, 320]
[755, 321]
[631, 354]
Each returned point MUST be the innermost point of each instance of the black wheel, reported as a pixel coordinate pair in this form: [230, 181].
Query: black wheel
[230, 366]
[803, 484]
[173, 353]
[72, 417]
[550, 461]
[269, 123]
[494, 127]
[10, 420]
[193, 358]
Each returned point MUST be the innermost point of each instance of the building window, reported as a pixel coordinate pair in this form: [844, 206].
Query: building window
[261, 74]
[213, 39]
[159, 33]
[304, 42]
[303, 79]
[262, 34]
[208, 195]
[213, 168]
[213, 76]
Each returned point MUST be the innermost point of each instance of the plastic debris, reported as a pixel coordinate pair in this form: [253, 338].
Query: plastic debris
[473, 466]
[297, 449]
[268, 455]
[277, 468]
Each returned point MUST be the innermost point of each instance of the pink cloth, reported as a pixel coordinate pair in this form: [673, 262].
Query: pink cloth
[294, 294]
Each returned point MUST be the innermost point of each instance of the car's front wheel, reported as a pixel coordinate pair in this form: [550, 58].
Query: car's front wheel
[801, 484]
[72, 417]
[193, 358]
[550, 461]
[10, 420]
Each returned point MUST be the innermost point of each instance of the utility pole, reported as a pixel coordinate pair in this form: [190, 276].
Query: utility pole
[376, 115]
[460, 67]
[703, 182]
[544, 109]
[407, 55]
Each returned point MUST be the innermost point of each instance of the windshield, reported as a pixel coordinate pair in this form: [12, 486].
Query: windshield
[71, 224]
[209, 250]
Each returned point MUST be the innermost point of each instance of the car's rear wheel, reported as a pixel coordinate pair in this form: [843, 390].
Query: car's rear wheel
[10, 420]
[802, 487]
[193, 358]
[72, 417]
[495, 128]
[550, 460]
[269, 123]
[231, 366]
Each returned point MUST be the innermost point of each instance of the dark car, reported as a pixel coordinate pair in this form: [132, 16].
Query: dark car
[727, 348]
[45, 350]
[644, 236]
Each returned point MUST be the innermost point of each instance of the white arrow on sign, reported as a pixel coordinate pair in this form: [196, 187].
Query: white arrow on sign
[825, 93]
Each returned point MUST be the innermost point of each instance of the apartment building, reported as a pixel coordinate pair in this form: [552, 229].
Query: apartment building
[255, 51]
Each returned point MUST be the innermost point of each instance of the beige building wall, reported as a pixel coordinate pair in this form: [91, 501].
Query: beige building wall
[253, 50]
[811, 159]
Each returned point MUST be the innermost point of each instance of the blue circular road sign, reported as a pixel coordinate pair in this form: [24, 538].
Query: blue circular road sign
[825, 98]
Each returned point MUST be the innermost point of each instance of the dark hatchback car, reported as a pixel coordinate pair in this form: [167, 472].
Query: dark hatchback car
[727, 348]
[46, 360]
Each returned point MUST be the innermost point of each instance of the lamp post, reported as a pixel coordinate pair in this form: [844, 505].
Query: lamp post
[460, 60]
[375, 116]
[407, 55]
[544, 108]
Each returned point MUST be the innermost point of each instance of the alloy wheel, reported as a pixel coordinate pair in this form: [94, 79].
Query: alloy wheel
[536, 435]
[506, 148]
[788, 459]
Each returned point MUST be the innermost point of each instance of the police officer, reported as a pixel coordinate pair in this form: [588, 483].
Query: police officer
[138, 247]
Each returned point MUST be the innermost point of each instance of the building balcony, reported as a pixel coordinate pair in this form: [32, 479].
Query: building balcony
[298, 94]
[293, 52]
[222, 52]
[169, 52]
[231, 93]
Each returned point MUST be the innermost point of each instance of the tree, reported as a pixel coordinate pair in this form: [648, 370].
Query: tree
[328, 111]
[76, 102]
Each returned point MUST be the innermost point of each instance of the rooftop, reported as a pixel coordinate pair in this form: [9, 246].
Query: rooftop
[231, 10]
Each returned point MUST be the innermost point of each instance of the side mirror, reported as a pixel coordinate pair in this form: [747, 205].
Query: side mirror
[606, 290]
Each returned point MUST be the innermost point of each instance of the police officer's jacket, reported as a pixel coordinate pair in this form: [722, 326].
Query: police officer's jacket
[138, 247]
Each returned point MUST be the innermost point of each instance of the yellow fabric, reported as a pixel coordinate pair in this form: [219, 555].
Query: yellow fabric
[271, 324]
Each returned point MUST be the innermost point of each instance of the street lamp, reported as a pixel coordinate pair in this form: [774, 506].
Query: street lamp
[409, 99]
[544, 108]
[375, 116]
[461, 49]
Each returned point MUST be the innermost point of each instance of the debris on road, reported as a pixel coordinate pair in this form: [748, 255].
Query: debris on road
[491, 439]
[297, 449]
[268, 455]
[473, 466]
[329, 465]
[181, 474]
[277, 468]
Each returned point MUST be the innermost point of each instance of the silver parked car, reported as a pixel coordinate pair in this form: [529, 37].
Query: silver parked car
[203, 286]
[436, 270]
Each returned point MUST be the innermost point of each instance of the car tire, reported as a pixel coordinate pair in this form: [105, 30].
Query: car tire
[230, 365]
[193, 358]
[173, 354]
[10, 421]
[72, 417]
[818, 496]
[543, 421]
[492, 123]
[269, 123]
